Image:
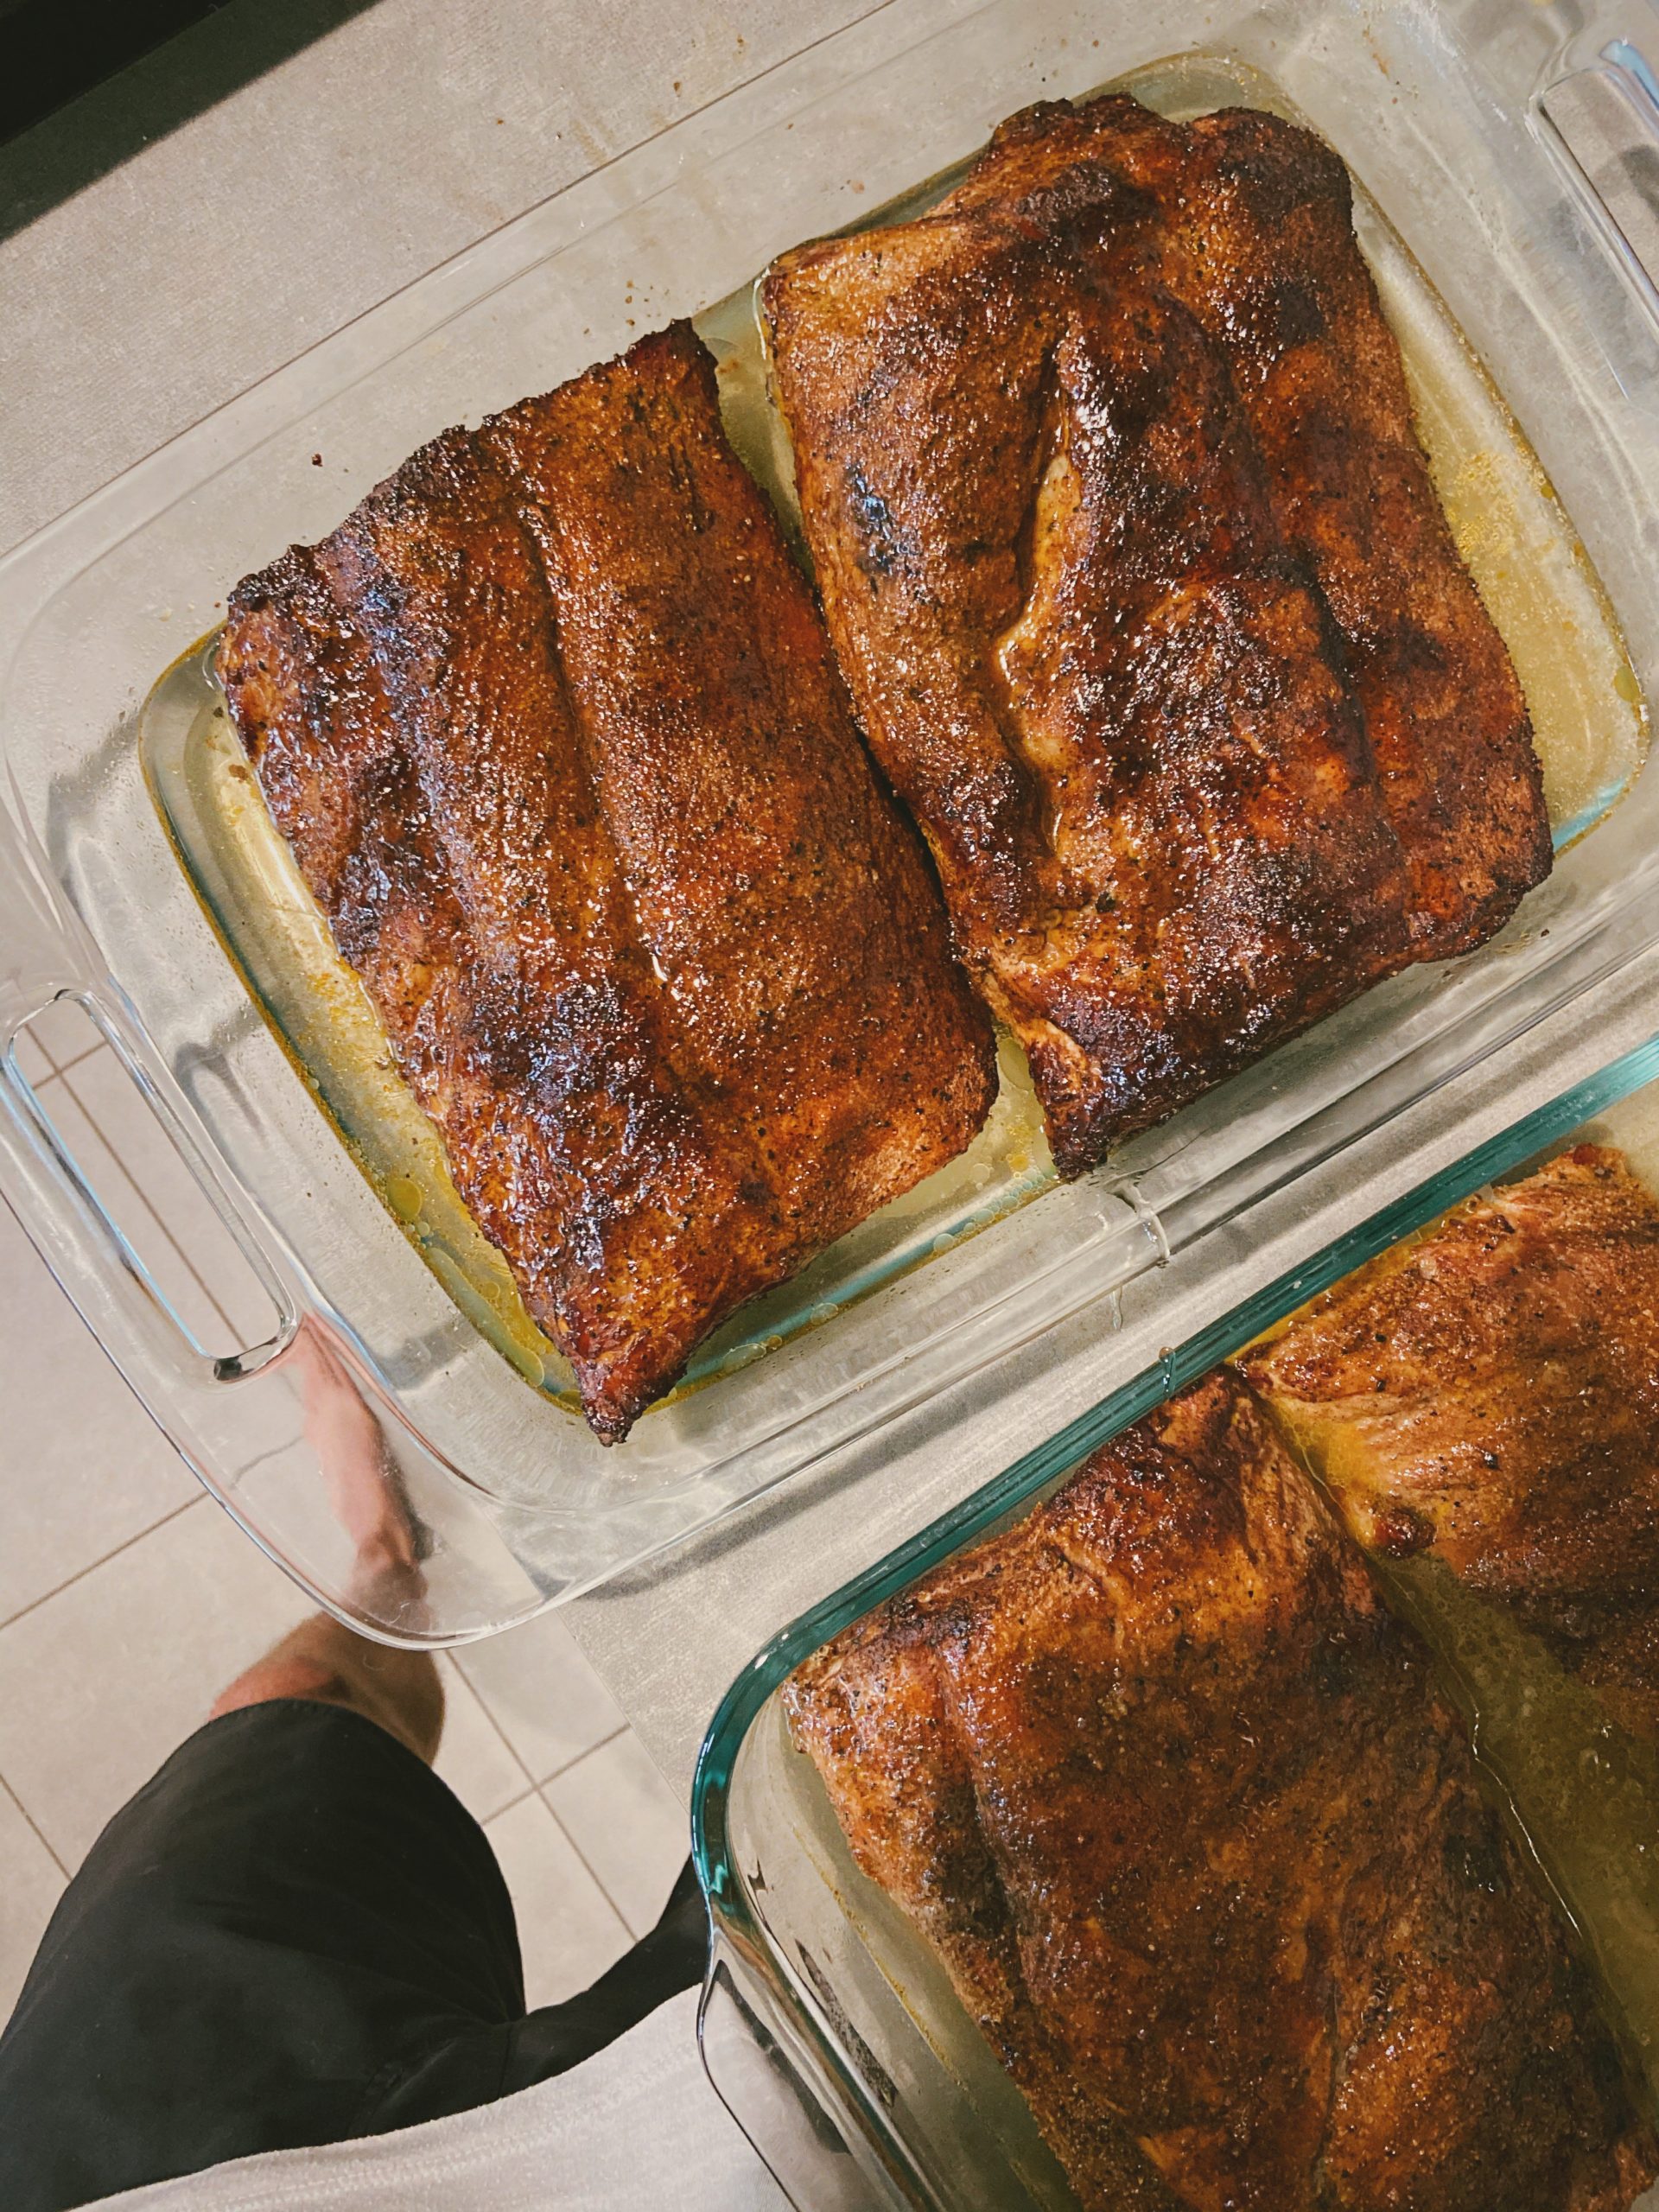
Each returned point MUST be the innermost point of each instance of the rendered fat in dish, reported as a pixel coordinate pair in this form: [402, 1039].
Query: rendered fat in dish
[555, 734]
[1131, 557]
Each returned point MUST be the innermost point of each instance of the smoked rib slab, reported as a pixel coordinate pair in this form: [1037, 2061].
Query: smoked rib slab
[1147, 607]
[1258, 216]
[555, 734]
[1178, 1803]
[1490, 1394]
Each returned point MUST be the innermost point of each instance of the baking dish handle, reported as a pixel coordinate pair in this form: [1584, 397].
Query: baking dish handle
[47, 956]
[97, 1265]
[1602, 123]
[291, 1430]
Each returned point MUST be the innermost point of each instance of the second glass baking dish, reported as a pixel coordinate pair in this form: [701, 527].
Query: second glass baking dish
[1493, 140]
[829, 2027]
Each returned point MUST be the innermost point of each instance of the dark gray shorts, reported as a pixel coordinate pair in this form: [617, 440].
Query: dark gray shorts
[295, 1934]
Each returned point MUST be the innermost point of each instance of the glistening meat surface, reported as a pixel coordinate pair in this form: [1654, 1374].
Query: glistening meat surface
[1134, 567]
[555, 734]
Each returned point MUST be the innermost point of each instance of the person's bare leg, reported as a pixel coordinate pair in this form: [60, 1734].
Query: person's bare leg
[321, 1659]
[325, 1661]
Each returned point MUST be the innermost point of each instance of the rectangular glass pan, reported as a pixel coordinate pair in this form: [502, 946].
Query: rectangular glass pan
[1437, 110]
[827, 2025]
[1588, 719]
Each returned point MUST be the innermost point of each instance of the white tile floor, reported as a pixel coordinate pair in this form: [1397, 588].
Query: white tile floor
[128, 1598]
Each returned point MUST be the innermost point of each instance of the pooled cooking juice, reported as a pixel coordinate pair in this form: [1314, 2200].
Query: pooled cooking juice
[1584, 1792]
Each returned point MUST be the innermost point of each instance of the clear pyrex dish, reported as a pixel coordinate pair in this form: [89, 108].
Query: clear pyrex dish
[1494, 149]
[827, 2026]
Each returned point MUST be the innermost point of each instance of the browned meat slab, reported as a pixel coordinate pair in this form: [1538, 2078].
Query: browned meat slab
[1176, 1800]
[1257, 217]
[873, 1710]
[1492, 1393]
[555, 734]
[1145, 601]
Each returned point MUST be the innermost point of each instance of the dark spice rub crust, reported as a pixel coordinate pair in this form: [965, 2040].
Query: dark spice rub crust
[1132, 561]
[1260, 216]
[553, 729]
[1176, 1800]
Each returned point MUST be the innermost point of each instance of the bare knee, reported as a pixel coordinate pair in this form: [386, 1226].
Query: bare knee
[322, 1661]
[280, 1675]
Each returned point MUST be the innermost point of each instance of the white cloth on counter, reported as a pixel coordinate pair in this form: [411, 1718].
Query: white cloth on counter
[639, 2125]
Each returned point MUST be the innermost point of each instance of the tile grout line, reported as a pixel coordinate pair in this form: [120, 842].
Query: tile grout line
[538, 1790]
[535, 1790]
[597, 1878]
[569, 1767]
[593, 1871]
[511, 1805]
[482, 1703]
[55, 1065]
[557, 1773]
[91, 1566]
[34, 1827]
[62, 1067]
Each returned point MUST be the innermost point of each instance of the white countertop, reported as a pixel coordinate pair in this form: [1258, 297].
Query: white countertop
[225, 249]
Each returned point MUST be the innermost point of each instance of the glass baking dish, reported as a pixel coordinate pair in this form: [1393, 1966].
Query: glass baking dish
[1488, 145]
[827, 2026]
